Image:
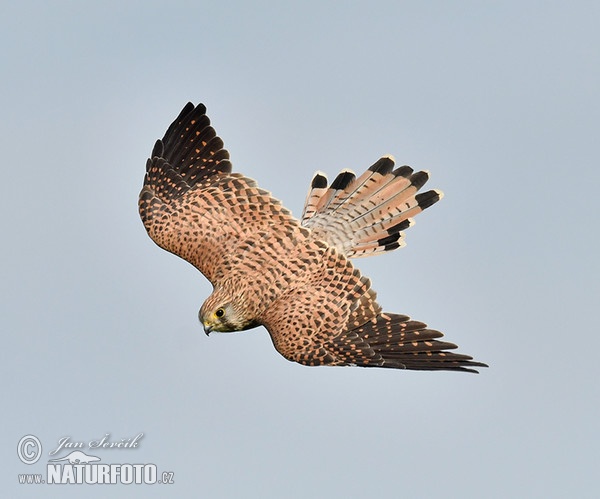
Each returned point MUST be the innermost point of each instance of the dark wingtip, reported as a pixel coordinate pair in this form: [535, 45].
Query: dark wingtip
[187, 109]
[191, 112]
[471, 365]
[200, 108]
[343, 180]
[158, 149]
[190, 107]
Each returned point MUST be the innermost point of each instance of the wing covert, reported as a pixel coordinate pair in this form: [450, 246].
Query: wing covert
[193, 206]
[337, 321]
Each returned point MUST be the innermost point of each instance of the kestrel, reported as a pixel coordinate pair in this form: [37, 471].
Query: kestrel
[294, 277]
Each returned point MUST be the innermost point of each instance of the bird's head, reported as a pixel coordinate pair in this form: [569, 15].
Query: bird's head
[224, 313]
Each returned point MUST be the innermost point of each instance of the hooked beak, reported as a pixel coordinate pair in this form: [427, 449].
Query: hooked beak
[207, 329]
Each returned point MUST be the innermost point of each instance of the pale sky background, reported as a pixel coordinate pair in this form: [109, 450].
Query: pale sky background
[499, 100]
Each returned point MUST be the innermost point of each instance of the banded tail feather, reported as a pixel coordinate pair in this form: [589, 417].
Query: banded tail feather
[367, 215]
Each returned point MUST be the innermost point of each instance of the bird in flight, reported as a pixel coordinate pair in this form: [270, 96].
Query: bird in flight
[294, 277]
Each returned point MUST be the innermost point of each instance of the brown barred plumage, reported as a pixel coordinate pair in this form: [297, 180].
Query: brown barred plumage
[295, 278]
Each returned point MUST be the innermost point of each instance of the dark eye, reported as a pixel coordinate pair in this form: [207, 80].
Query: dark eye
[220, 312]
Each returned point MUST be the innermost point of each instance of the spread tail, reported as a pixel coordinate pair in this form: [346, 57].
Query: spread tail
[367, 215]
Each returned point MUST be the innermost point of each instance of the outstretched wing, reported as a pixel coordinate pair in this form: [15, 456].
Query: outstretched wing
[193, 206]
[336, 321]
